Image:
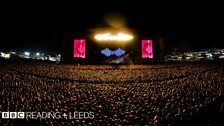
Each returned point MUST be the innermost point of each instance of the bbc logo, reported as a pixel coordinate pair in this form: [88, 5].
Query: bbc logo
[13, 115]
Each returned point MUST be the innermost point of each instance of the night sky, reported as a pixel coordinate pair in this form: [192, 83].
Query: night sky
[40, 26]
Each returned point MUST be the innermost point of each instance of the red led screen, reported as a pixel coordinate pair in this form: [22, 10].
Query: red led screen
[147, 51]
[80, 48]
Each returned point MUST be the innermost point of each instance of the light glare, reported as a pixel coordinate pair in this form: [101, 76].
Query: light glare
[27, 53]
[108, 36]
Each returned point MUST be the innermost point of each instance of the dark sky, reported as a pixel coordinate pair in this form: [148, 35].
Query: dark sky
[40, 26]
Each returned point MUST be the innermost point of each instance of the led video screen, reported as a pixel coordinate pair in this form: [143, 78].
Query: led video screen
[147, 51]
[80, 48]
[108, 52]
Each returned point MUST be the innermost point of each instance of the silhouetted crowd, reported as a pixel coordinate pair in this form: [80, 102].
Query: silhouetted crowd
[129, 95]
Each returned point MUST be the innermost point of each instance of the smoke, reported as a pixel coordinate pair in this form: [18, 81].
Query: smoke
[115, 20]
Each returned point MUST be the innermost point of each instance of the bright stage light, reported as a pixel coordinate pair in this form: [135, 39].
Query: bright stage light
[119, 36]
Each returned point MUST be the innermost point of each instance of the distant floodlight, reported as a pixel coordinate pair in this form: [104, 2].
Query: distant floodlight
[37, 54]
[2, 54]
[27, 53]
[7, 55]
[119, 36]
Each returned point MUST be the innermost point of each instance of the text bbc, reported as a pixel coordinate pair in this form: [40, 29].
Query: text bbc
[13, 115]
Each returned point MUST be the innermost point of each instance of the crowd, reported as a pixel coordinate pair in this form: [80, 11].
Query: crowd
[130, 95]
